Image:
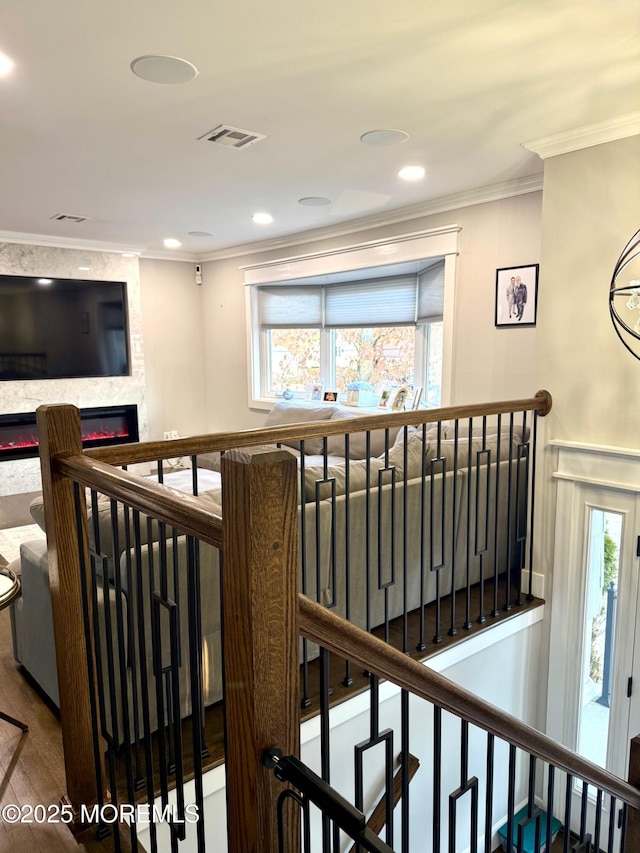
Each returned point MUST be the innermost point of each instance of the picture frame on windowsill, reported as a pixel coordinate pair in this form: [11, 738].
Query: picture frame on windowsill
[400, 399]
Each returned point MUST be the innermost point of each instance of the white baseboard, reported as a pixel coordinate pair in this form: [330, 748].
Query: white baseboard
[537, 583]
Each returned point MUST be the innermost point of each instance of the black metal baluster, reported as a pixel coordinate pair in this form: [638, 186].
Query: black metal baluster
[583, 810]
[612, 825]
[437, 777]
[453, 630]
[507, 605]
[534, 439]
[144, 678]
[482, 542]
[467, 785]
[384, 586]
[567, 813]
[551, 776]
[467, 620]
[305, 702]
[488, 804]
[437, 565]
[132, 651]
[376, 737]
[405, 779]
[195, 684]
[598, 822]
[623, 826]
[347, 681]
[421, 646]
[522, 502]
[511, 795]
[325, 752]
[496, 528]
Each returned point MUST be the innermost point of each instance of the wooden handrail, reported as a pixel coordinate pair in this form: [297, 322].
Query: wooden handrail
[188, 513]
[151, 451]
[323, 627]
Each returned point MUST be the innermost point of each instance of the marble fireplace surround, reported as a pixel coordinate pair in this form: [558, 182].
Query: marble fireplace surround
[23, 475]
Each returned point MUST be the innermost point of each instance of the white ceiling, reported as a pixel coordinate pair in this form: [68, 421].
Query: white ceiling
[469, 80]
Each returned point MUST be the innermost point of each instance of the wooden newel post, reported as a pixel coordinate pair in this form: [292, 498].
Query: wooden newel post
[59, 434]
[632, 839]
[261, 666]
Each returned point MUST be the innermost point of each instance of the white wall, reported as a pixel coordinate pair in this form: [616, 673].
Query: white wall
[173, 329]
[489, 363]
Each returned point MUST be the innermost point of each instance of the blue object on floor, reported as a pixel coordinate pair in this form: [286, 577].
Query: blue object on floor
[529, 832]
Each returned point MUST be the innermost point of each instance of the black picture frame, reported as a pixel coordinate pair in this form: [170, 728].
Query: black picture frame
[511, 309]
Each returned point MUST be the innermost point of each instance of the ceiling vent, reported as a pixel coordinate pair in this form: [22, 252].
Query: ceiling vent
[232, 137]
[69, 217]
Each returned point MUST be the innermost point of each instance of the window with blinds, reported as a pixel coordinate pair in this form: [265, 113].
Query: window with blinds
[403, 300]
[376, 331]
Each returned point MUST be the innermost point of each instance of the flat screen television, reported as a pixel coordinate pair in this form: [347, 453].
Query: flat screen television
[61, 328]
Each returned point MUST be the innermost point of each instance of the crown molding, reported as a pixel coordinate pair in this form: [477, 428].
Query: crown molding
[468, 198]
[584, 137]
[65, 243]
[91, 246]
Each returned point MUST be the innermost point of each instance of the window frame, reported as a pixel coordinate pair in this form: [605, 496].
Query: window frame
[419, 247]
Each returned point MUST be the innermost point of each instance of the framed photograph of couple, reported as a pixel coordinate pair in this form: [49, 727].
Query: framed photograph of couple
[517, 295]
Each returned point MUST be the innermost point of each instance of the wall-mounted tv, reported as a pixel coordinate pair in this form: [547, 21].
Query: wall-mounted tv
[61, 328]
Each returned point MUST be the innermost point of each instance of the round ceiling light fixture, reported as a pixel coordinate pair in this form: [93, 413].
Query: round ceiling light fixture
[6, 64]
[166, 70]
[384, 137]
[262, 218]
[45, 281]
[314, 201]
[200, 234]
[412, 173]
[172, 243]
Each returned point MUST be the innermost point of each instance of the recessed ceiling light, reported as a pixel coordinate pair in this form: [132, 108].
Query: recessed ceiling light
[411, 173]
[172, 243]
[84, 269]
[6, 64]
[200, 234]
[167, 70]
[314, 201]
[262, 218]
[384, 137]
[45, 281]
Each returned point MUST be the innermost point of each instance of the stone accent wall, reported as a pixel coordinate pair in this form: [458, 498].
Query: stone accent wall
[23, 475]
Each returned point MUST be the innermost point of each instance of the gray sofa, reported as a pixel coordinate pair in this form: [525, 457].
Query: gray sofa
[421, 492]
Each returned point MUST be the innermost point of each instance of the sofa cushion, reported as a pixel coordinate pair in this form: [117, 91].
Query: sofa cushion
[358, 440]
[338, 472]
[36, 510]
[416, 448]
[285, 414]
[213, 461]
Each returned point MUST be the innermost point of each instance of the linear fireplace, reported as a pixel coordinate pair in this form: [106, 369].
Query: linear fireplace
[100, 426]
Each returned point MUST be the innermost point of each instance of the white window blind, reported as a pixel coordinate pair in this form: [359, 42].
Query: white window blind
[374, 302]
[290, 306]
[399, 300]
[431, 293]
